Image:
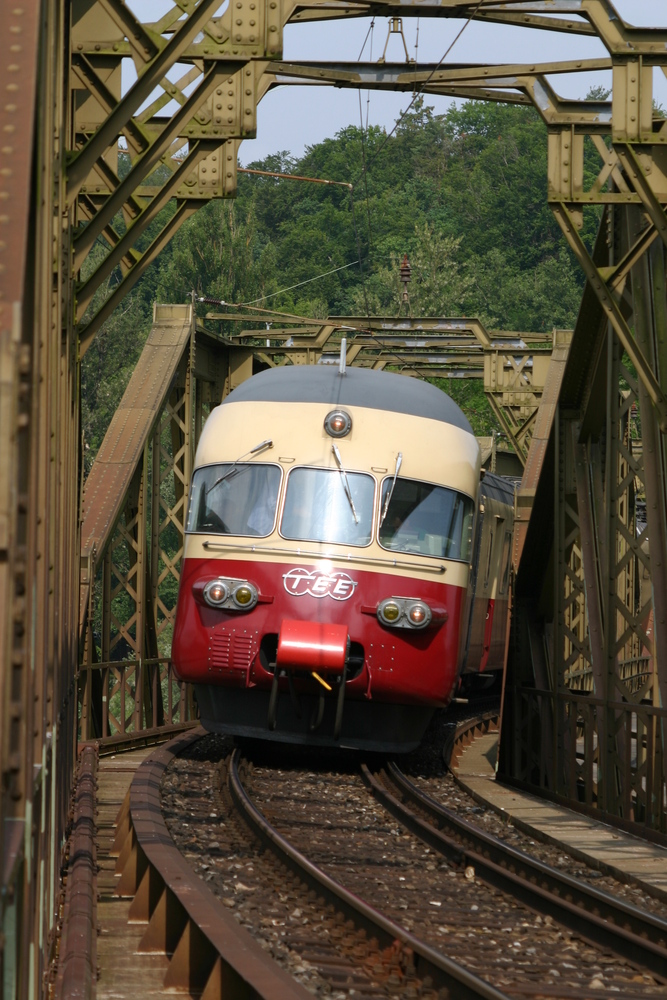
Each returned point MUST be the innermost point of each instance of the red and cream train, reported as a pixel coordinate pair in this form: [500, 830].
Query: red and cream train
[345, 569]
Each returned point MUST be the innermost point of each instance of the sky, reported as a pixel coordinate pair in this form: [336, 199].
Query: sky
[292, 118]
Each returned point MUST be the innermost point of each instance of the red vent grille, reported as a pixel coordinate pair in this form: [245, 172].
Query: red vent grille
[242, 652]
[219, 649]
[231, 655]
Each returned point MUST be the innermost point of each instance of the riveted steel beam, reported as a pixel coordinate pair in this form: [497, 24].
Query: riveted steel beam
[84, 159]
[613, 312]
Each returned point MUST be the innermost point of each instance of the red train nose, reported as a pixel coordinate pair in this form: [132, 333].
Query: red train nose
[306, 645]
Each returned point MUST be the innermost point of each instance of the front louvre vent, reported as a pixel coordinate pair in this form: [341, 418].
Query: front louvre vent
[232, 650]
[219, 649]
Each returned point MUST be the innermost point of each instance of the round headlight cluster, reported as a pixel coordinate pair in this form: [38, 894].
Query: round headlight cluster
[402, 612]
[338, 423]
[231, 594]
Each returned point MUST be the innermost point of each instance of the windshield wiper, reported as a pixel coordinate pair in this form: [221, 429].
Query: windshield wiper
[399, 462]
[231, 472]
[346, 485]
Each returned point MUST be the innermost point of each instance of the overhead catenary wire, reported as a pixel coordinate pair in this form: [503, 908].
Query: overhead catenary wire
[307, 281]
[351, 187]
[418, 92]
[367, 162]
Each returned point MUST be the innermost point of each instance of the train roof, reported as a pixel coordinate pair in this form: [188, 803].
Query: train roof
[498, 487]
[357, 387]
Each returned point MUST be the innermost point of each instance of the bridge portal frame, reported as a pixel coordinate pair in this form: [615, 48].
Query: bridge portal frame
[60, 183]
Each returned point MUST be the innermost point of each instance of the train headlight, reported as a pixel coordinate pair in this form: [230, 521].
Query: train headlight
[419, 614]
[389, 612]
[409, 613]
[338, 423]
[227, 595]
[216, 593]
[244, 596]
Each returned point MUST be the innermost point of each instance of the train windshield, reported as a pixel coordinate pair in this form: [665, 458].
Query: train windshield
[426, 519]
[317, 508]
[234, 499]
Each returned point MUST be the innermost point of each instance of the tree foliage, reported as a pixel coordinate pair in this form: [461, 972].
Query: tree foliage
[464, 194]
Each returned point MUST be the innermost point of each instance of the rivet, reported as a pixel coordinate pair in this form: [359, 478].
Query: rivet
[248, 92]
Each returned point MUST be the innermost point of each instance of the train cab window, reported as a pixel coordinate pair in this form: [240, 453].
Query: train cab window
[426, 519]
[318, 509]
[234, 499]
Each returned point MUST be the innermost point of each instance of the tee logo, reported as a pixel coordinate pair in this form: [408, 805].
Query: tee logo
[300, 582]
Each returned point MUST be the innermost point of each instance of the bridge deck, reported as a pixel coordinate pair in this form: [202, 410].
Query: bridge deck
[594, 842]
[122, 972]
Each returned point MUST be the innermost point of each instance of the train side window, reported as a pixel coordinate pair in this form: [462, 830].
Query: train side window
[489, 556]
[505, 564]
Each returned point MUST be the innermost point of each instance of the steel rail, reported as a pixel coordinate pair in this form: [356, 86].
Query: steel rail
[208, 951]
[638, 937]
[444, 972]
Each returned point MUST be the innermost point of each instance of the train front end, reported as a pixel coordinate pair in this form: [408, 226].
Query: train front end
[325, 580]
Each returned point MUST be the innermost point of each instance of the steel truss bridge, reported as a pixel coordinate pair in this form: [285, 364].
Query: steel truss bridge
[90, 566]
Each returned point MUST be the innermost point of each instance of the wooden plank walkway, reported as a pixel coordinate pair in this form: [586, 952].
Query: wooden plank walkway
[594, 842]
[123, 973]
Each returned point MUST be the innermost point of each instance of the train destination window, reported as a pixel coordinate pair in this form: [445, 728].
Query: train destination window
[234, 499]
[426, 519]
[318, 509]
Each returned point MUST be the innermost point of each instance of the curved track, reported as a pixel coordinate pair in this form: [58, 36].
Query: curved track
[443, 972]
[599, 917]
[296, 851]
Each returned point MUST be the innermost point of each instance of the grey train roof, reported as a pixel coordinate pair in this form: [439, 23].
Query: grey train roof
[358, 387]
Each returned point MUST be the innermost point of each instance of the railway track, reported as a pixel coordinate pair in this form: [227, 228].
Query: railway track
[382, 895]
[475, 909]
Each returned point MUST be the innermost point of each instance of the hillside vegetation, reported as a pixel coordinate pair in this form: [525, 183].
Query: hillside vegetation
[463, 194]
